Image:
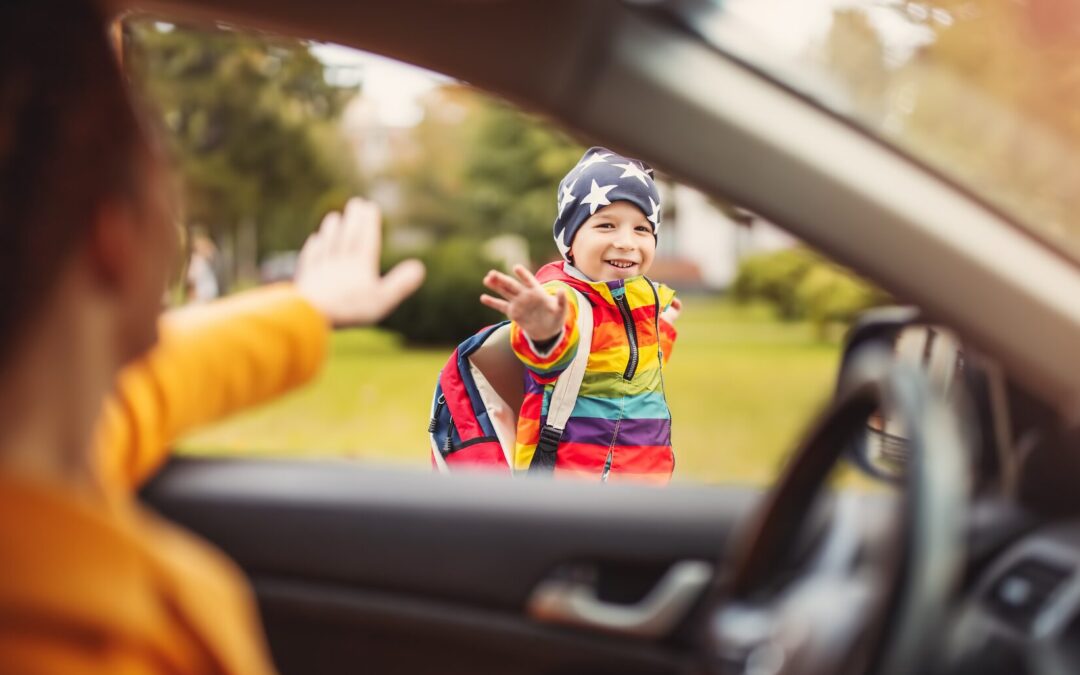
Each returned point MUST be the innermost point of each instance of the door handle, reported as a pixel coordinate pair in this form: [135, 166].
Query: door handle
[575, 603]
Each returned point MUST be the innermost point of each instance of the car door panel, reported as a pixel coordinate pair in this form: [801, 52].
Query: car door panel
[393, 568]
[314, 628]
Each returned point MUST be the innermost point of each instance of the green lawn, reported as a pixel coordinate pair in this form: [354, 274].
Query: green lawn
[741, 386]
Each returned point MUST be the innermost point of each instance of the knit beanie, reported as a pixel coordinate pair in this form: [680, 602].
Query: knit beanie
[600, 178]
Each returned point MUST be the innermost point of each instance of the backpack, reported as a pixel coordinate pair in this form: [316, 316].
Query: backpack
[479, 393]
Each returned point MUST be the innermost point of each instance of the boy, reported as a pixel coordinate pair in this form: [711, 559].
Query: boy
[606, 229]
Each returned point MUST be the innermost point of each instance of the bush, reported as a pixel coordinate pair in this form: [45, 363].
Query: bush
[447, 308]
[802, 285]
[775, 278]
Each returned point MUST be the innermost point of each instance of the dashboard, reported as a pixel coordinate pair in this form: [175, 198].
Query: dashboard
[1022, 615]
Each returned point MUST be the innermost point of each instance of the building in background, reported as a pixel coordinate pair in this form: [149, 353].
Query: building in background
[702, 243]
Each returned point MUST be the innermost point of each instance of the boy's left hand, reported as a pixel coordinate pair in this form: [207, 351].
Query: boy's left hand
[525, 302]
[672, 312]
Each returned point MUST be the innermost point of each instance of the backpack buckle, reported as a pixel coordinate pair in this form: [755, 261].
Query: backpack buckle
[543, 460]
[549, 439]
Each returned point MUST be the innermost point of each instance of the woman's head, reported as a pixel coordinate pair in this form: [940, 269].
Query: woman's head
[79, 184]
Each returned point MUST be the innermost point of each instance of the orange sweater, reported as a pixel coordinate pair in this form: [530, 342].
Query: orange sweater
[96, 584]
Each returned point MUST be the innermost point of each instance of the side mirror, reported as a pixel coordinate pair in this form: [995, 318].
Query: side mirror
[881, 450]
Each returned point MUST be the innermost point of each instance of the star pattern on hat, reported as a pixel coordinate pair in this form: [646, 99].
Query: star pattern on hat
[654, 218]
[631, 169]
[567, 196]
[595, 158]
[564, 248]
[598, 196]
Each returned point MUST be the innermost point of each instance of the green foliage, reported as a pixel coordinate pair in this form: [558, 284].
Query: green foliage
[775, 278]
[483, 170]
[989, 96]
[802, 285]
[252, 123]
[486, 170]
[830, 294]
[515, 166]
[447, 308]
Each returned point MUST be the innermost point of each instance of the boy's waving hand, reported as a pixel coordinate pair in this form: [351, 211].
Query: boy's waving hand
[527, 303]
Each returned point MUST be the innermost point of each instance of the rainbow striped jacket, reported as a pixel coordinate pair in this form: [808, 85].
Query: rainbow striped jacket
[620, 425]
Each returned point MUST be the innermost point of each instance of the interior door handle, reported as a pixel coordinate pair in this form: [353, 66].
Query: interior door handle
[575, 603]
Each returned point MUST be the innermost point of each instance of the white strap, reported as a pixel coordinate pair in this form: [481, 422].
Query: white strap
[567, 386]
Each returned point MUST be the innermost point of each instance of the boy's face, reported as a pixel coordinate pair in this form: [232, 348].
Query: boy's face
[615, 243]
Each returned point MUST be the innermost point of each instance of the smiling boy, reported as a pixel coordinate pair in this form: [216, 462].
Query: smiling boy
[606, 229]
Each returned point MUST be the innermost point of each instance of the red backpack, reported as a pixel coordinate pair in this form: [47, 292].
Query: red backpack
[479, 393]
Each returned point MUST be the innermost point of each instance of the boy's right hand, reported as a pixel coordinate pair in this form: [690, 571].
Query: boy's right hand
[540, 314]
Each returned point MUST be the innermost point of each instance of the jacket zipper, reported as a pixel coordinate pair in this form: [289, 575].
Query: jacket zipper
[631, 366]
[631, 336]
[610, 459]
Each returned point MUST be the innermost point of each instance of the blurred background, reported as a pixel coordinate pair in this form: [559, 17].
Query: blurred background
[268, 134]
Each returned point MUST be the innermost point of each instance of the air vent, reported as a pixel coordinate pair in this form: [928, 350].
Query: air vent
[1019, 594]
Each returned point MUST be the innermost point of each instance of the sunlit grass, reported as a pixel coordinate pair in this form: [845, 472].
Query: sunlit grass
[741, 386]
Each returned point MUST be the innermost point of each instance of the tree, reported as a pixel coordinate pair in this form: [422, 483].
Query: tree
[252, 124]
[513, 167]
[483, 169]
[429, 168]
[990, 96]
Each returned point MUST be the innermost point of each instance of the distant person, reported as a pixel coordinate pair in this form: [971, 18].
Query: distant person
[91, 582]
[202, 284]
[606, 230]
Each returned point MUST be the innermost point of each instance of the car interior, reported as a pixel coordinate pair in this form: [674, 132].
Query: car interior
[961, 558]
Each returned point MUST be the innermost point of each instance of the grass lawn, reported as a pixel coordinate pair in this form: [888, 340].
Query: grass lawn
[741, 387]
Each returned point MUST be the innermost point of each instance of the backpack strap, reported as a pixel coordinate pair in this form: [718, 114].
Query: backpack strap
[565, 394]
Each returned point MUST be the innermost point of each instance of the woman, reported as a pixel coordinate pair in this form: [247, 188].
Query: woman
[91, 582]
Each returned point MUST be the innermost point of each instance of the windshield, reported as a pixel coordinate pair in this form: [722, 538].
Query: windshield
[987, 93]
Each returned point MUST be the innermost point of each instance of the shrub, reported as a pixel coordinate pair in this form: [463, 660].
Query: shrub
[830, 294]
[774, 277]
[447, 308]
[802, 285]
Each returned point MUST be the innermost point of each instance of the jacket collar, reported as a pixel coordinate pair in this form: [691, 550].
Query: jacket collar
[598, 291]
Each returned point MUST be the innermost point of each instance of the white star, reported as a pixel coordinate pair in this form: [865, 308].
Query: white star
[655, 217]
[563, 248]
[597, 196]
[634, 171]
[594, 158]
[567, 197]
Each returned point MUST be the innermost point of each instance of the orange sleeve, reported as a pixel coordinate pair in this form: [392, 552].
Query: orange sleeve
[667, 339]
[211, 360]
[665, 295]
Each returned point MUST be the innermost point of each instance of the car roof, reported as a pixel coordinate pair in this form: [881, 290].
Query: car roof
[631, 76]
